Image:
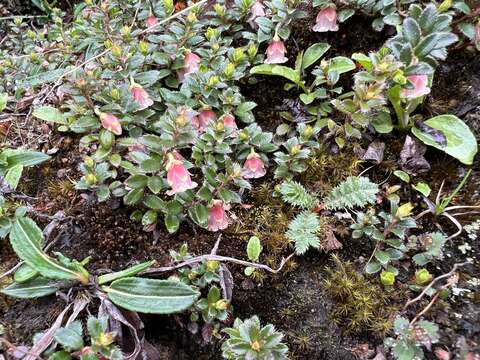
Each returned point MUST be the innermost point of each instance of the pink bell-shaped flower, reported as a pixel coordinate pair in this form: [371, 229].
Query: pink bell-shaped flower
[178, 176]
[257, 10]
[276, 52]
[110, 122]
[253, 168]
[151, 21]
[202, 120]
[229, 122]
[326, 20]
[420, 87]
[217, 216]
[140, 96]
[190, 65]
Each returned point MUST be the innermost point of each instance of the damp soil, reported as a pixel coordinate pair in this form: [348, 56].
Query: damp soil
[295, 302]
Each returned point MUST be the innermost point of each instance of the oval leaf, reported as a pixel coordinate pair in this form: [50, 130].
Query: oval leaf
[151, 296]
[313, 53]
[461, 143]
[32, 289]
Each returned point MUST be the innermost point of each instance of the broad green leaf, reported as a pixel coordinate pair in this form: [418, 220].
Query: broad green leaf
[25, 238]
[268, 69]
[51, 114]
[423, 189]
[13, 175]
[341, 64]
[71, 336]
[402, 175]
[151, 295]
[199, 214]
[313, 54]
[25, 157]
[172, 223]
[363, 60]
[254, 248]
[3, 101]
[382, 256]
[412, 31]
[131, 271]
[24, 274]
[460, 141]
[35, 288]
[345, 14]
[382, 123]
[372, 267]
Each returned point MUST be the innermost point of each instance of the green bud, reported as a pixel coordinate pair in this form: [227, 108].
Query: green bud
[445, 6]
[252, 51]
[89, 2]
[210, 33]
[18, 21]
[126, 31]
[143, 47]
[308, 131]
[31, 34]
[229, 70]
[191, 17]
[115, 94]
[219, 9]
[90, 179]
[116, 51]
[215, 47]
[212, 265]
[89, 162]
[168, 6]
[243, 135]
[295, 149]
[399, 78]
[213, 81]
[422, 277]
[34, 57]
[221, 304]
[387, 278]
[238, 55]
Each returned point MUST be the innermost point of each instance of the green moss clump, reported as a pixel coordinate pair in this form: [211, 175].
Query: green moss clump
[360, 305]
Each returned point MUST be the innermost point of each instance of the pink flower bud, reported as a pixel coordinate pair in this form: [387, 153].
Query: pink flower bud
[202, 120]
[276, 52]
[326, 20]
[151, 21]
[257, 10]
[217, 216]
[420, 87]
[253, 167]
[229, 122]
[140, 96]
[111, 123]
[190, 65]
[178, 176]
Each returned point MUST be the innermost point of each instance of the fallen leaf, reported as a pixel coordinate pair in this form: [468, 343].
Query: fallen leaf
[412, 158]
[375, 152]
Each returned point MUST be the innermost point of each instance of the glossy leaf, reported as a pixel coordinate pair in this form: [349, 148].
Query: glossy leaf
[461, 143]
[50, 114]
[313, 54]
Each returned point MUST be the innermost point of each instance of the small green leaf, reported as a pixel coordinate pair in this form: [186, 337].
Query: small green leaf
[151, 295]
[71, 336]
[199, 214]
[402, 175]
[372, 267]
[51, 114]
[269, 69]
[13, 175]
[341, 64]
[423, 189]
[461, 143]
[131, 271]
[382, 256]
[254, 248]
[24, 274]
[313, 54]
[3, 101]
